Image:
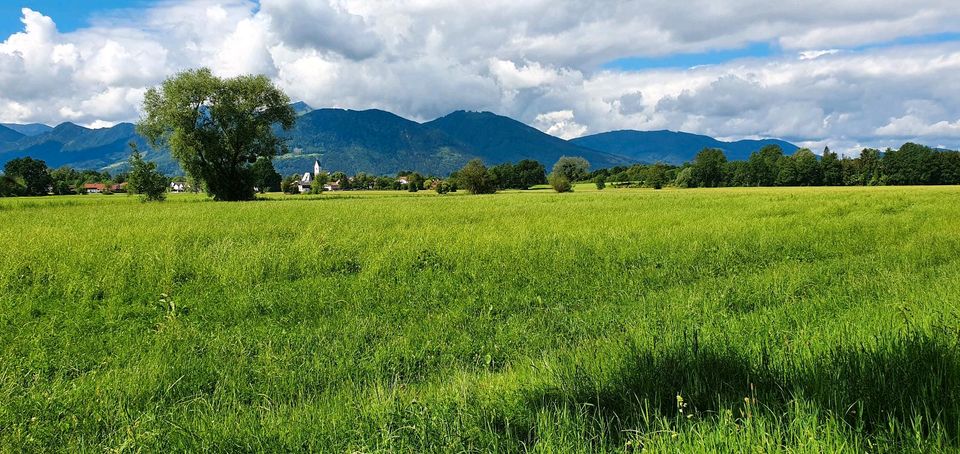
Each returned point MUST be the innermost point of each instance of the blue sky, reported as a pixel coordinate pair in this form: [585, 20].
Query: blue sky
[68, 14]
[760, 50]
[688, 60]
[844, 73]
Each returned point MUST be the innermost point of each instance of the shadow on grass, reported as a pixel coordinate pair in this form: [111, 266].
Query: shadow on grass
[908, 383]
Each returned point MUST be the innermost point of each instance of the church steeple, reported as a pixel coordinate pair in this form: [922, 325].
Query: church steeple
[316, 168]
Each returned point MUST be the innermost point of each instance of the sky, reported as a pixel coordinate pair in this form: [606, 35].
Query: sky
[843, 73]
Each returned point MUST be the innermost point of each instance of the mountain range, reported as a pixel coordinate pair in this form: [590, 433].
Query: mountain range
[32, 129]
[672, 147]
[379, 142]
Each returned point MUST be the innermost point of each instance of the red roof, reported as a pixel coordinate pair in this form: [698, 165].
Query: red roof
[99, 186]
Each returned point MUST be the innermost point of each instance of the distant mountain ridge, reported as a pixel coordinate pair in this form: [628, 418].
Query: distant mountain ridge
[380, 142]
[9, 135]
[32, 129]
[301, 108]
[373, 141]
[672, 147]
[498, 139]
[85, 148]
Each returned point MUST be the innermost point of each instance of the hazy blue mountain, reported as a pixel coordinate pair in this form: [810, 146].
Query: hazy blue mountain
[76, 146]
[8, 135]
[32, 129]
[372, 141]
[380, 142]
[301, 107]
[497, 139]
[672, 147]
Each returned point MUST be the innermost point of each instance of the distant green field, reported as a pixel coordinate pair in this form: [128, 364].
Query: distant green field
[809, 320]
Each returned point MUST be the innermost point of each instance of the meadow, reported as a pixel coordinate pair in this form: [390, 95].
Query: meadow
[624, 320]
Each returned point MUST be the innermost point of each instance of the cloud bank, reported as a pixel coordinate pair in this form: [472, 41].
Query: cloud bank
[842, 73]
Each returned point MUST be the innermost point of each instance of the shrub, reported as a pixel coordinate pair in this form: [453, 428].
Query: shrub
[144, 179]
[560, 183]
[9, 186]
[289, 185]
[683, 178]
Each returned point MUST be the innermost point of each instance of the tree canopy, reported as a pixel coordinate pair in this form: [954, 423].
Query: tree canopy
[266, 178]
[144, 178]
[764, 165]
[475, 178]
[521, 175]
[572, 168]
[33, 174]
[708, 168]
[217, 128]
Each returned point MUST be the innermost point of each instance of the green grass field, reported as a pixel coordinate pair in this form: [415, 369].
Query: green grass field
[807, 320]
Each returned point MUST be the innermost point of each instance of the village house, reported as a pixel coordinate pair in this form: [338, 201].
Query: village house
[178, 186]
[94, 188]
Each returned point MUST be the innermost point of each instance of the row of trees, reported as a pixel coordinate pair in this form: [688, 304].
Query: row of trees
[912, 164]
[769, 166]
[638, 175]
[478, 179]
[32, 177]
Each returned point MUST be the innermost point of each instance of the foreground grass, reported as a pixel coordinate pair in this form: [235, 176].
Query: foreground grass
[806, 320]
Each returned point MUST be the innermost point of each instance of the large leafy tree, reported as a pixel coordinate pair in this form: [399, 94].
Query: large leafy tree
[949, 172]
[708, 168]
[265, 176]
[787, 172]
[808, 168]
[832, 168]
[530, 173]
[738, 173]
[572, 168]
[33, 172]
[476, 178]
[521, 175]
[911, 164]
[504, 175]
[656, 176]
[869, 171]
[764, 165]
[217, 128]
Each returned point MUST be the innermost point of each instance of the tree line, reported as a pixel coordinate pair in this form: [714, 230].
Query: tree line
[911, 164]
[32, 177]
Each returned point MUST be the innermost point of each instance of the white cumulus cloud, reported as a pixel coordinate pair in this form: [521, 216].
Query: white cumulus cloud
[836, 75]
